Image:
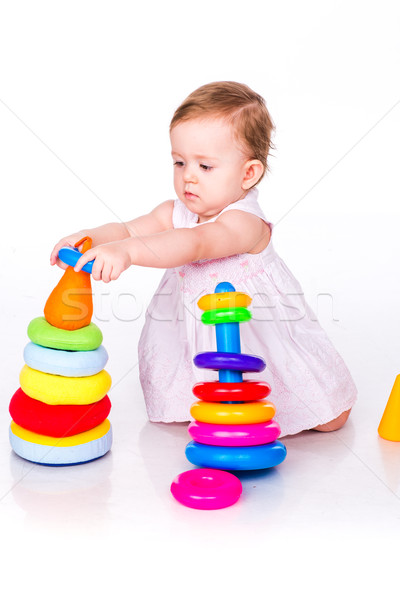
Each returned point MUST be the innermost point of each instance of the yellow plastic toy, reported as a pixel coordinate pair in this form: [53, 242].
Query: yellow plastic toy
[258, 411]
[64, 442]
[56, 389]
[224, 300]
[389, 427]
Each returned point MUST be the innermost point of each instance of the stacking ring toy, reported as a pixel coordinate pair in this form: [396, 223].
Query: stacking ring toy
[231, 414]
[70, 256]
[42, 333]
[237, 314]
[236, 458]
[223, 300]
[206, 489]
[55, 389]
[57, 421]
[234, 435]
[64, 362]
[56, 451]
[229, 360]
[217, 391]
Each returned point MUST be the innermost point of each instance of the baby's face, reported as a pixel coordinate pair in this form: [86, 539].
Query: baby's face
[209, 166]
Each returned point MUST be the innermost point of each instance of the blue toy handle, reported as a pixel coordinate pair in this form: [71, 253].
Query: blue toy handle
[70, 257]
[228, 338]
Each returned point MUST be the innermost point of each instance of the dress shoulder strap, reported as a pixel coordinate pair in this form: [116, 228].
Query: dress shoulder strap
[248, 204]
[183, 217]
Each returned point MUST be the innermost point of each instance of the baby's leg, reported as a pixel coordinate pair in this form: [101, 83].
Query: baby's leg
[335, 423]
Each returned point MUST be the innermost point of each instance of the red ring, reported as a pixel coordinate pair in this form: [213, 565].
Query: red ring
[244, 391]
[57, 420]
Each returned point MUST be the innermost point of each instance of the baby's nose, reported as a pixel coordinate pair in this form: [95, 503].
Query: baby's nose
[189, 175]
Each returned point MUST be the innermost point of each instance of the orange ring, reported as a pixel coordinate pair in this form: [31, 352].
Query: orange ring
[224, 300]
[232, 414]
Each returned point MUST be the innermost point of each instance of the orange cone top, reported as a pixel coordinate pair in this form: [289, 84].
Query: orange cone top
[70, 304]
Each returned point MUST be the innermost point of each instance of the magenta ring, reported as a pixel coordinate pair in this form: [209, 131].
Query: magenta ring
[206, 489]
[234, 435]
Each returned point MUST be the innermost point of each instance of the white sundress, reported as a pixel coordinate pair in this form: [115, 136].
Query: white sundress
[310, 383]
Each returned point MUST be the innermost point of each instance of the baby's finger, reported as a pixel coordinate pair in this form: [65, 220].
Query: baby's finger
[97, 269]
[54, 254]
[53, 258]
[115, 273]
[89, 255]
[106, 273]
[61, 264]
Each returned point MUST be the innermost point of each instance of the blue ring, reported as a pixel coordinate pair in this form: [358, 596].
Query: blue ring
[229, 360]
[235, 458]
[70, 256]
[59, 456]
[65, 362]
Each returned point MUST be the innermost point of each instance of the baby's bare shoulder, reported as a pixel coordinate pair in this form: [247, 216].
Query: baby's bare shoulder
[254, 228]
[163, 214]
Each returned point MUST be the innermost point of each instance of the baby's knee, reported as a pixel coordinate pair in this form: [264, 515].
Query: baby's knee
[335, 424]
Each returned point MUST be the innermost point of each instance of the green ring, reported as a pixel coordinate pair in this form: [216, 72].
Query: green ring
[42, 333]
[237, 314]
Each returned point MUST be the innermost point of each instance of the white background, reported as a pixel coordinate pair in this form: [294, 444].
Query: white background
[87, 90]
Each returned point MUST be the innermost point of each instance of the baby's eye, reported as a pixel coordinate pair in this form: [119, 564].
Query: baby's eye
[205, 167]
[178, 163]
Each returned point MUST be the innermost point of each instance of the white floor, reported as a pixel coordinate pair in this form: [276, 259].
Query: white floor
[332, 505]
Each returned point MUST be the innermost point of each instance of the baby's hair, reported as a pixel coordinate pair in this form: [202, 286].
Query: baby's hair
[243, 108]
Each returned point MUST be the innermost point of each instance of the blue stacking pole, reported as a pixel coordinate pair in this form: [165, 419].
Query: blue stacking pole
[228, 339]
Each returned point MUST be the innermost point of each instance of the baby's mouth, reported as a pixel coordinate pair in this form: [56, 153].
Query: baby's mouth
[190, 196]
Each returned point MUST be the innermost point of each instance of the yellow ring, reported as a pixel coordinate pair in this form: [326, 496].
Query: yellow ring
[65, 442]
[258, 411]
[224, 300]
[56, 389]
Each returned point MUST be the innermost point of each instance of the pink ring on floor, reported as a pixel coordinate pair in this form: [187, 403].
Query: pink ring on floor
[253, 434]
[206, 489]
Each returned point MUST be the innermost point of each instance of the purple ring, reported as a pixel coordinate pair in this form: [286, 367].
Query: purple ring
[229, 360]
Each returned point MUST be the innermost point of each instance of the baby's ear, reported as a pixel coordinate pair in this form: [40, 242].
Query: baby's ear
[253, 171]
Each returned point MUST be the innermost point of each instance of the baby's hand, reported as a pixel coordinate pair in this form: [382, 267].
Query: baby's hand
[110, 260]
[70, 240]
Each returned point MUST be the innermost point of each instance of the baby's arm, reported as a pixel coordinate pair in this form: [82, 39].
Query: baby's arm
[157, 220]
[235, 232]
